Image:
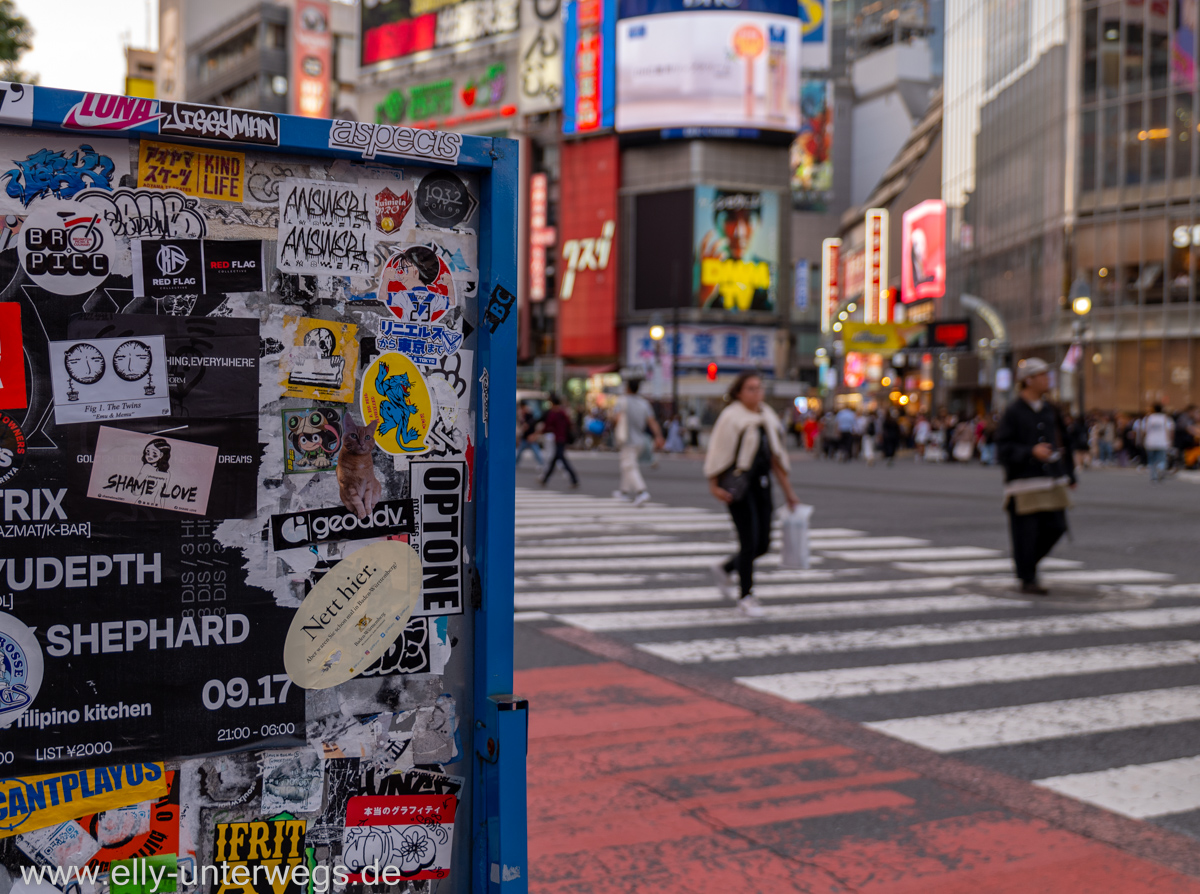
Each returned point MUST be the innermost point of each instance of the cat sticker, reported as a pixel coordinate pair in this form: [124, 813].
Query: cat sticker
[397, 398]
[358, 485]
[312, 439]
[321, 359]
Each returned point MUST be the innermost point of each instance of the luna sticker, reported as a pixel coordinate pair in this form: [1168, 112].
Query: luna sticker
[148, 470]
[312, 439]
[20, 669]
[395, 394]
[322, 360]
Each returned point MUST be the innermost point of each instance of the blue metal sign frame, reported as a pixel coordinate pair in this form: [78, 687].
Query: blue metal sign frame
[498, 735]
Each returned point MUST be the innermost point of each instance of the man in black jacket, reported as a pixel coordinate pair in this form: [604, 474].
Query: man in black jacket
[1032, 446]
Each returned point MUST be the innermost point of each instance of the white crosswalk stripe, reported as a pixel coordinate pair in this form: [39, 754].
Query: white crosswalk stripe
[875, 617]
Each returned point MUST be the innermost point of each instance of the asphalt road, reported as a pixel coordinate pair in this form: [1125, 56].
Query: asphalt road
[907, 622]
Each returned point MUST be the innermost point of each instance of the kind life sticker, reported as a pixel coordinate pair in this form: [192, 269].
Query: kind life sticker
[352, 615]
[107, 379]
[321, 361]
[396, 395]
[151, 470]
[21, 669]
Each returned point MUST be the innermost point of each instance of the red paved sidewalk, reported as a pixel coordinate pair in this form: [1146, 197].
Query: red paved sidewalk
[639, 784]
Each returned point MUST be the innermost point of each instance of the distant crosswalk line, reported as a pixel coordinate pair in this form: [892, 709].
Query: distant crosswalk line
[825, 590]
[904, 555]
[993, 727]
[596, 541]
[628, 550]
[1107, 576]
[1140, 791]
[978, 566]
[820, 611]
[749, 647]
[856, 681]
[613, 527]
[635, 563]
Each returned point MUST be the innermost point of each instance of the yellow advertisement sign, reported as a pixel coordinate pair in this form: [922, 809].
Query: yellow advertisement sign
[735, 281]
[879, 338]
[203, 173]
[36, 802]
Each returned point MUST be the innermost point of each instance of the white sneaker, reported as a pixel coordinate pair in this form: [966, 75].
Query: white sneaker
[620, 495]
[750, 607]
[641, 498]
[724, 581]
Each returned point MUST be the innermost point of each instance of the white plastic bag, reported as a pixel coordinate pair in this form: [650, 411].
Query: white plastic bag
[795, 538]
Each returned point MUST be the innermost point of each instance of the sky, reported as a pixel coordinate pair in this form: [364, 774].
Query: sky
[80, 44]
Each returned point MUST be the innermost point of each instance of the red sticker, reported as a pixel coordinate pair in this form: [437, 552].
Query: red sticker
[12, 359]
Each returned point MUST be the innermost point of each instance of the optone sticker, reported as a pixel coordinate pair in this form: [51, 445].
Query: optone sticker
[358, 609]
[395, 394]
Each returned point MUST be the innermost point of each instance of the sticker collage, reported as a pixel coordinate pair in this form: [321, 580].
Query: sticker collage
[236, 476]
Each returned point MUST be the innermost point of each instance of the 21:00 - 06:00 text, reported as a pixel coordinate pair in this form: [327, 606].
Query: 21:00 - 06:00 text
[236, 692]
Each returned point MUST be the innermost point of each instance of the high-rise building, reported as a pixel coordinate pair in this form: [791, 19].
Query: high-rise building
[1070, 181]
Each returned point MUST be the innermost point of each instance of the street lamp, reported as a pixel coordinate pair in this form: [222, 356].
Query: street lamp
[1081, 305]
[657, 332]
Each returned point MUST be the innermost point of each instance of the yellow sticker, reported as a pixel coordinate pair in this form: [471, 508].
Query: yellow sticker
[353, 615]
[203, 173]
[37, 802]
[395, 393]
[321, 360]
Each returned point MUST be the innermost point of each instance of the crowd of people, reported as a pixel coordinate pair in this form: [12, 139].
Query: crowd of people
[1159, 440]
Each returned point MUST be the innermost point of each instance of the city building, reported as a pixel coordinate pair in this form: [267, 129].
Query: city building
[140, 66]
[1070, 184]
[297, 56]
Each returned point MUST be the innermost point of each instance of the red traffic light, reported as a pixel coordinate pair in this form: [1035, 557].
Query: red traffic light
[712, 372]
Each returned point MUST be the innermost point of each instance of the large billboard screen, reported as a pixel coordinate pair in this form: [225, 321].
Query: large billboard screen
[923, 252]
[736, 249]
[686, 68]
[393, 29]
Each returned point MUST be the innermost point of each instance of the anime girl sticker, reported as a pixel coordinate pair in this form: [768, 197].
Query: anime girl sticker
[146, 470]
[312, 439]
[417, 285]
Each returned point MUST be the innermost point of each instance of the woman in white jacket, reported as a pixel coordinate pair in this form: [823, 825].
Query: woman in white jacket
[745, 447]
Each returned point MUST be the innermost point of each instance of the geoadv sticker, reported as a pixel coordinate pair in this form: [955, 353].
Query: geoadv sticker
[395, 393]
[353, 615]
[20, 668]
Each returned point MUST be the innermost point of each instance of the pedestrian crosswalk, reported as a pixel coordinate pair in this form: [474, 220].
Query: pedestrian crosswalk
[1095, 694]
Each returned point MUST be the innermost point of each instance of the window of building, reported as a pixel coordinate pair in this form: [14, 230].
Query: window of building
[1160, 59]
[1135, 140]
[276, 37]
[1091, 54]
[1087, 161]
[1135, 57]
[1158, 135]
[1183, 136]
[1112, 143]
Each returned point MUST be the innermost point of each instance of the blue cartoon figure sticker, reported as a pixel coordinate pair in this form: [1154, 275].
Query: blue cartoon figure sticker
[20, 669]
[395, 393]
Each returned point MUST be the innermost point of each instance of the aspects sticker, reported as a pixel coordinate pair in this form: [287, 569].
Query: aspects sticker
[395, 394]
[20, 669]
[352, 615]
[12, 447]
[103, 379]
[148, 470]
[12, 359]
[444, 200]
[322, 361]
[66, 248]
[370, 140]
[203, 173]
[312, 438]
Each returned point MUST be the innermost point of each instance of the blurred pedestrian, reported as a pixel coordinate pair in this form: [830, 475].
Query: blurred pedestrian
[890, 436]
[634, 417]
[558, 424]
[674, 436]
[1158, 433]
[693, 428]
[528, 432]
[745, 448]
[1031, 441]
[846, 420]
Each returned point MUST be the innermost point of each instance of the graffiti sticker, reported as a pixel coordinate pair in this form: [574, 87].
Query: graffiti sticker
[58, 173]
[395, 394]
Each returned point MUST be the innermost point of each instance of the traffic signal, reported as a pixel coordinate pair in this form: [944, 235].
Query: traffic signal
[712, 372]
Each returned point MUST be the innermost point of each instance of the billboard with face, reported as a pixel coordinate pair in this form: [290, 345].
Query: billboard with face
[731, 68]
[923, 252]
[736, 247]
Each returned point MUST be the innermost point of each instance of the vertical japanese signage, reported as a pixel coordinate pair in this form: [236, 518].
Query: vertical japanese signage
[312, 59]
[541, 62]
[877, 265]
[814, 35]
[587, 308]
[541, 236]
[589, 88]
[831, 282]
[923, 251]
